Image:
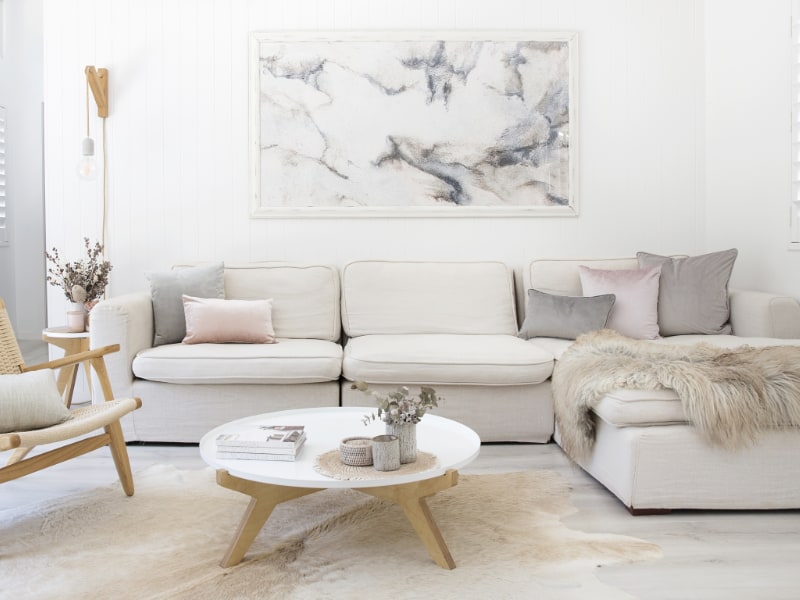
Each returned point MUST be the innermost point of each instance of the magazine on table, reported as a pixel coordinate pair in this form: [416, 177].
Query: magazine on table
[233, 455]
[274, 437]
[287, 452]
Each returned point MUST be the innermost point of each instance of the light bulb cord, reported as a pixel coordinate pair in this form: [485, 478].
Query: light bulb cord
[87, 109]
[105, 192]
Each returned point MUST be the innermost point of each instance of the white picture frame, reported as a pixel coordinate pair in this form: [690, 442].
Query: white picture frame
[413, 124]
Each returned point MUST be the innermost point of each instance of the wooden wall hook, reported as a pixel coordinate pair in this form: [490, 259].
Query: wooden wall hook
[98, 82]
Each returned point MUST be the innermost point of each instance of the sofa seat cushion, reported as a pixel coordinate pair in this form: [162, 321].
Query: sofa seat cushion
[554, 346]
[727, 341]
[640, 408]
[445, 359]
[288, 361]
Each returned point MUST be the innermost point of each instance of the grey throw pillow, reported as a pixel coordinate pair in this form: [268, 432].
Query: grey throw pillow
[693, 292]
[167, 290]
[30, 401]
[567, 317]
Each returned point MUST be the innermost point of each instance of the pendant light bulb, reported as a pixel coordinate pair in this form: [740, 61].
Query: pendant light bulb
[87, 167]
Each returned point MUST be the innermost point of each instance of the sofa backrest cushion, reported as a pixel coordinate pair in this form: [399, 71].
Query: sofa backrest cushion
[397, 297]
[305, 298]
[557, 276]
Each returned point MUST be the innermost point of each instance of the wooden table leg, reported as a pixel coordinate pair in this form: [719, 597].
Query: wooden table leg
[67, 375]
[66, 382]
[264, 498]
[411, 498]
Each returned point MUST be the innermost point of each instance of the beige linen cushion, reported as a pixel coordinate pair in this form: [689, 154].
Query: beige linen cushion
[445, 359]
[30, 401]
[409, 297]
[212, 320]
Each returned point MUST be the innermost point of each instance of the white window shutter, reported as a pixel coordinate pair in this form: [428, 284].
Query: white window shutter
[3, 198]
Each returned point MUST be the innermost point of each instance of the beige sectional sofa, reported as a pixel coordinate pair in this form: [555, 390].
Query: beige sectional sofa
[454, 326]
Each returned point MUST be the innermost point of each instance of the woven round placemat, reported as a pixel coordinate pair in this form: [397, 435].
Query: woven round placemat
[330, 465]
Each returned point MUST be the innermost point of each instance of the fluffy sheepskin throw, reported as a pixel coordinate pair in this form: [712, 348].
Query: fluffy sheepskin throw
[730, 396]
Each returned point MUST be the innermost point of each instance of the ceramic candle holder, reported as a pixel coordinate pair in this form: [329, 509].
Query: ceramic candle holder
[386, 452]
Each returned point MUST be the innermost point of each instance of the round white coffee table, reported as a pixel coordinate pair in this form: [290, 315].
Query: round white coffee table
[270, 483]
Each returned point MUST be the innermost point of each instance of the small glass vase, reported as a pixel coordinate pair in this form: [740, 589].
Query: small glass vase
[407, 434]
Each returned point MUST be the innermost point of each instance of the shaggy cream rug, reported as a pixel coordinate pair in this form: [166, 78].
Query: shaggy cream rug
[166, 542]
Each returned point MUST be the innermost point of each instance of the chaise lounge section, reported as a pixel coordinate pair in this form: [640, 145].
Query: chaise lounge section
[647, 453]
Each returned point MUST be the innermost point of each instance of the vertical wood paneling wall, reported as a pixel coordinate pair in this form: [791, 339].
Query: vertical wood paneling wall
[177, 134]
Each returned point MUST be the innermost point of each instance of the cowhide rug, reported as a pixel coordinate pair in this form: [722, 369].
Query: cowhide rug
[166, 541]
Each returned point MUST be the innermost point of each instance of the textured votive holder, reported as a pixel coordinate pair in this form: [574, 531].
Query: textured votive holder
[386, 452]
[356, 451]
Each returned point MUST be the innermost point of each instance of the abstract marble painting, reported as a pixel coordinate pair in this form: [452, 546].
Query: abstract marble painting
[399, 126]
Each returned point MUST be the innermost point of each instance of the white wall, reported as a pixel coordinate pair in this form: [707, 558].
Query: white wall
[177, 133]
[748, 137]
[22, 270]
[684, 141]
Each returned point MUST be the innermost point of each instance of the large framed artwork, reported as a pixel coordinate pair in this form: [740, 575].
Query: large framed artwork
[457, 124]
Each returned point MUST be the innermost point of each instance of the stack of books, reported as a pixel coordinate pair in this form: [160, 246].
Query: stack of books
[267, 442]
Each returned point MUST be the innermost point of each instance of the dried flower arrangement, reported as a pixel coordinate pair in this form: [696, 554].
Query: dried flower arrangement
[398, 406]
[84, 280]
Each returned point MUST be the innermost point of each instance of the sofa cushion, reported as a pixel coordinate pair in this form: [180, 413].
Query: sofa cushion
[388, 297]
[167, 289]
[554, 315]
[639, 408]
[554, 346]
[290, 361]
[693, 292]
[561, 276]
[635, 311]
[305, 298]
[215, 320]
[445, 359]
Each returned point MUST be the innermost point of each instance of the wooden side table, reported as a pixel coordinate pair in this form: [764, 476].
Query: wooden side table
[71, 343]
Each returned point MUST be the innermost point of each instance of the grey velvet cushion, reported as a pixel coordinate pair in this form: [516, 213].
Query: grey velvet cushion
[693, 292]
[167, 290]
[567, 317]
[30, 401]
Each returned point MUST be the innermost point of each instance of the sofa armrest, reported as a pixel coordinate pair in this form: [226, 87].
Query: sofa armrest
[761, 314]
[128, 321]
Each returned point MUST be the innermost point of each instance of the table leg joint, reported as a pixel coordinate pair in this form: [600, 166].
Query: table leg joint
[411, 498]
[264, 497]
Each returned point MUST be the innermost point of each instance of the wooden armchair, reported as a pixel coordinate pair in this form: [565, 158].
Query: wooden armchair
[83, 421]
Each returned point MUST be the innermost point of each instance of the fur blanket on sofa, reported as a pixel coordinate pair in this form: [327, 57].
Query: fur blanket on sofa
[728, 395]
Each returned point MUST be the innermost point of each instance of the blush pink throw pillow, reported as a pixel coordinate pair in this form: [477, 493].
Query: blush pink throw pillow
[214, 320]
[635, 312]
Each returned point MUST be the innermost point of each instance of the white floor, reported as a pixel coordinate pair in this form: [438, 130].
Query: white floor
[707, 555]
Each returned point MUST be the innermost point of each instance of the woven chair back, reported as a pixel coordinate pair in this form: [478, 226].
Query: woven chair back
[11, 361]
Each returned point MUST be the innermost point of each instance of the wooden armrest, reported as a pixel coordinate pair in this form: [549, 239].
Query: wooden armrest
[74, 358]
[9, 441]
